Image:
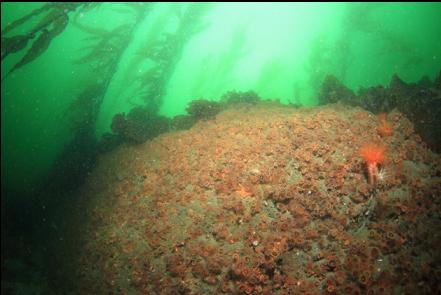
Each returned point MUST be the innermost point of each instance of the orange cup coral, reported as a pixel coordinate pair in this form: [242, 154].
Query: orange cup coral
[373, 154]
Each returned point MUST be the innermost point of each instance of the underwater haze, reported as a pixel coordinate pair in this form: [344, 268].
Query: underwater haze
[246, 107]
[280, 51]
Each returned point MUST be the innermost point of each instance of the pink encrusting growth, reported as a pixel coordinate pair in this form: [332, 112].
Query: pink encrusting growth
[373, 154]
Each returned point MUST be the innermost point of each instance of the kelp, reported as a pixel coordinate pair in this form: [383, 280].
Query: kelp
[42, 42]
[106, 46]
[165, 51]
[14, 44]
[363, 18]
[38, 47]
[103, 57]
[83, 110]
[50, 26]
[17, 23]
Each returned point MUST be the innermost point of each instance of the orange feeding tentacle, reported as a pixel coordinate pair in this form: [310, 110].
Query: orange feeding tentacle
[373, 154]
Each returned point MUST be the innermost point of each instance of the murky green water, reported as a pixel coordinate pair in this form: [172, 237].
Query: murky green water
[68, 69]
[281, 51]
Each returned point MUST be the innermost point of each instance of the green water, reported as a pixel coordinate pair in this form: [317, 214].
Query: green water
[281, 51]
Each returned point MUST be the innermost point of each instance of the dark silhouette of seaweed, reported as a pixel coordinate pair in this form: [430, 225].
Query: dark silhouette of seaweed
[165, 51]
[51, 25]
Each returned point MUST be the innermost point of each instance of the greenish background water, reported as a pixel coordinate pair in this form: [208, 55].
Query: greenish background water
[281, 51]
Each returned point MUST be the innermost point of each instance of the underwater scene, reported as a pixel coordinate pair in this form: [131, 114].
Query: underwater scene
[220, 148]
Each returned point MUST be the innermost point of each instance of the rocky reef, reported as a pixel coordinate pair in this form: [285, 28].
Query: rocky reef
[420, 102]
[266, 199]
[142, 123]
